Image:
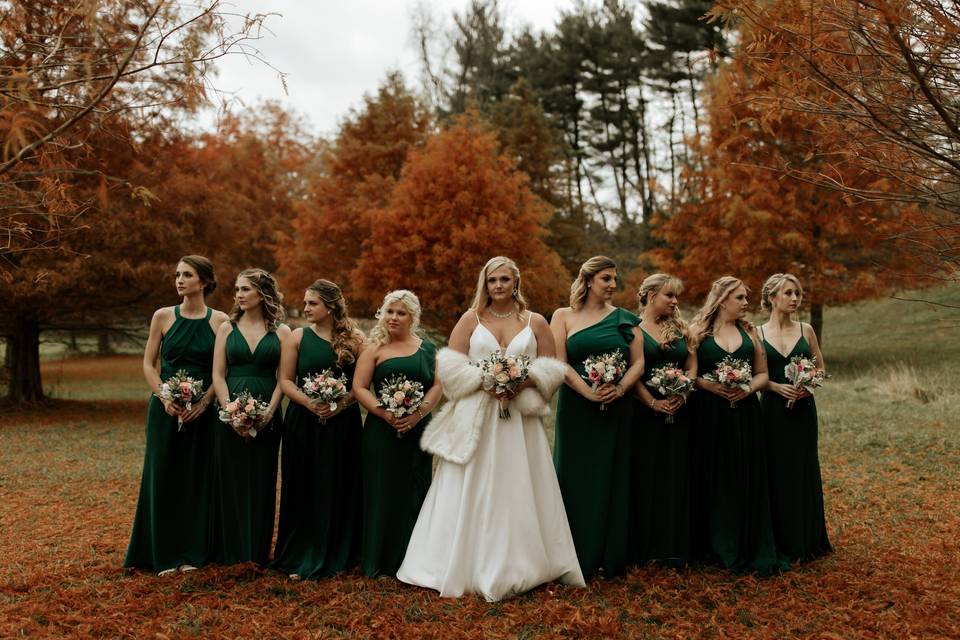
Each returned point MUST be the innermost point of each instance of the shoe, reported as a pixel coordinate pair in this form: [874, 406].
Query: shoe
[294, 576]
[187, 568]
[166, 572]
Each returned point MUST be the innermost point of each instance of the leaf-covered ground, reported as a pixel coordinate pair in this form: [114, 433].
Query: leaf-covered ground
[890, 449]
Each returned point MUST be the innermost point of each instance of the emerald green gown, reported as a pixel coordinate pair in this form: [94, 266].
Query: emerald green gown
[396, 472]
[660, 486]
[171, 526]
[321, 500]
[245, 469]
[796, 490]
[592, 453]
[732, 508]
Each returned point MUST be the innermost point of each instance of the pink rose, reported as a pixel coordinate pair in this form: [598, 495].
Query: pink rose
[232, 406]
[398, 396]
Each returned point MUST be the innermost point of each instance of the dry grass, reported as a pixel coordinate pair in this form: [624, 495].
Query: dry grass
[890, 448]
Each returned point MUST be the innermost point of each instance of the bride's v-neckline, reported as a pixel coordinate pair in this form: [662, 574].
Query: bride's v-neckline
[490, 333]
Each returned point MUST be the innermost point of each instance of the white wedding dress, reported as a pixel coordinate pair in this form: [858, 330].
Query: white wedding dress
[496, 525]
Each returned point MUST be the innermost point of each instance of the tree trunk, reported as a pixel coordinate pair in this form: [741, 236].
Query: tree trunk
[816, 320]
[24, 345]
[103, 343]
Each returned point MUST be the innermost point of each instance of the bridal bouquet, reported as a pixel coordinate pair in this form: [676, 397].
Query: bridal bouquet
[503, 374]
[325, 388]
[603, 369]
[400, 396]
[802, 373]
[732, 373]
[670, 381]
[181, 390]
[245, 414]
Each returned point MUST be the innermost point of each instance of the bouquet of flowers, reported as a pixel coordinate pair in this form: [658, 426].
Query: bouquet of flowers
[670, 381]
[325, 388]
[732, 373]
[603, 369]
[503, 374]
[181, 390]
[400, 396]
[803, 374]
[245, 414]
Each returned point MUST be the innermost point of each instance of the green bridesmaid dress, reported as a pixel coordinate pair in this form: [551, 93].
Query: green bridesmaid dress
[396, 472]
[733, 502]
[660, 464]
[321, 501]
[592, 453]
[171, 526]
[245, 469]
[793, 468]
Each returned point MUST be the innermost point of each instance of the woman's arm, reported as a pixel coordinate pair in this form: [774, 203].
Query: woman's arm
[558, 326]
[430, 400]
[460, 336]
[159, 324]
[760, 376]
[362, 378]
[220, 365]
[283, 333]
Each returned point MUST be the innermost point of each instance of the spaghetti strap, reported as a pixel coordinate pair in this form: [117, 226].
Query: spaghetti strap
[764, 337]
[477, 316]
[529, 317]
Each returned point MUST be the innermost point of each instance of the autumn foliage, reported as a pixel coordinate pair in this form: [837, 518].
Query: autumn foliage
[355, 177]
[747, 219]
[459, 202]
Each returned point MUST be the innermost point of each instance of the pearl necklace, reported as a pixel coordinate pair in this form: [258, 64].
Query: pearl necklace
[501, 315]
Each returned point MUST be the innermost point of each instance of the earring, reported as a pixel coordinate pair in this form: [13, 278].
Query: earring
[515, 292]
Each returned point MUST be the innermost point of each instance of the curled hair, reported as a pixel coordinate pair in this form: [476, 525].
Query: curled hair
[703, 323]
[379, 334]
[590, 268]
[266, 286]
[347, 337]
[204, 269]
[772, 287]
[481, 300]
[651, 286]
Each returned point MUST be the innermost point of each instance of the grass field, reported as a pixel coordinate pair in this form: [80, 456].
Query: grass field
[890, 450]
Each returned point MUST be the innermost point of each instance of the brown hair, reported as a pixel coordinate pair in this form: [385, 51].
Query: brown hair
[651, 286]
[347, 337]
[702, 325]
[590, 268]
[204, 269]
[266, 286]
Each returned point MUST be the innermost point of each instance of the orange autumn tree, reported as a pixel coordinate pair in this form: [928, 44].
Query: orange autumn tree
[459, 202]
[357, 174]
[748, 220]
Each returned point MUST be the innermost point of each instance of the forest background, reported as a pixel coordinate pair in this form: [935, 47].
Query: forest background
[701, 138]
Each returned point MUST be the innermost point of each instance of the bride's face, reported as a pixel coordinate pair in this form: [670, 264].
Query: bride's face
[500, 284]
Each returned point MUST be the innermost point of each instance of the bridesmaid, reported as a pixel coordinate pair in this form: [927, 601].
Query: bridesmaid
[592, 445]
[320, 491]
[246, 357]
[171, 526]
[733, 506]
[796, 490]
[396, 473]
[660, 516]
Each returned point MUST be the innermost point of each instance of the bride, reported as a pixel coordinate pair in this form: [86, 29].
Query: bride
[493, 522]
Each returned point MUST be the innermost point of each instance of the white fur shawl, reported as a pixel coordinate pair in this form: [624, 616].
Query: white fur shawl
[454, 432]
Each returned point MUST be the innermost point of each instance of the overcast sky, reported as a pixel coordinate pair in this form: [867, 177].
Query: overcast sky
[334, 52]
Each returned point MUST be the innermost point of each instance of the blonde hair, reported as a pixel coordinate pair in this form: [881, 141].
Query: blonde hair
[651, 286]
[590, 268]
[347, 337]
[481, 299]
[379, 334]
[266, 286]
[772, 286]
[702, 325]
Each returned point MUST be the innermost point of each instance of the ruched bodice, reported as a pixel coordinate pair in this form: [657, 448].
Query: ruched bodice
[188, 345]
